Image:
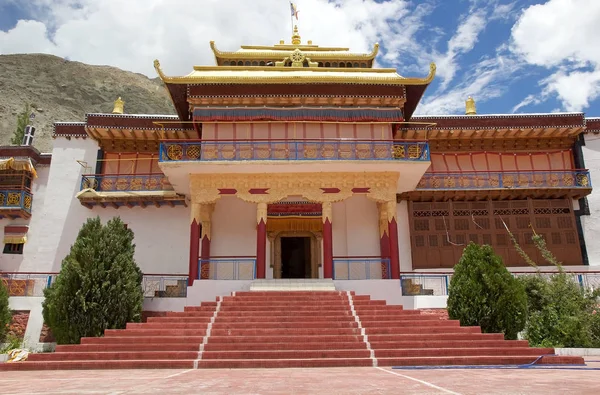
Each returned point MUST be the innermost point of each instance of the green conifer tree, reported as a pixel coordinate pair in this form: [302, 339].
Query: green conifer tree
[482, 292]
[5, 313]
[22, 122]
[99, 284]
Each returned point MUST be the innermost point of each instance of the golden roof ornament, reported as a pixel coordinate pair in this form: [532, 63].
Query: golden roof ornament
[470, 107]
[119, 106]
[296, 36]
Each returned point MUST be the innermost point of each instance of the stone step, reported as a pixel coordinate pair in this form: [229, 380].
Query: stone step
[475, 360]
[275, 332]
[283, 363]
[143, 339]
[460, 352]
[288, 339]
[97, 365]
[113, 356]
[421, 330]
[285, 326]
[354, 345]
[123, 347]
[395, 345]
[154, 332]
[279, 354]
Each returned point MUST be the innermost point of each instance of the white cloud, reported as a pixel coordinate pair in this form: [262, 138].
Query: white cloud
[131, 34]
[562, 35]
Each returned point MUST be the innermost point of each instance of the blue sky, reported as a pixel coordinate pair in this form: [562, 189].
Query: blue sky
[512, 56]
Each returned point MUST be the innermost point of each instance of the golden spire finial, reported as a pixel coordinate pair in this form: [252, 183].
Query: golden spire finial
[119, 105]
[470, 104]
[296, 36]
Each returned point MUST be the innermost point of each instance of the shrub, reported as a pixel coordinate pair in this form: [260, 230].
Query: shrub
[561, 312]
[482, 292]
[5, 313]
[99, 284]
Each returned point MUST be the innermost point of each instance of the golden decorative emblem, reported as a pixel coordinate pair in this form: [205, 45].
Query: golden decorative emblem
[382, 151]
[228, 151]
[523, 180]
[449, 182]
[205, 270]
[297, 58]
[151, 184]
[583, 180]
[13, 199]
[210, 152]
[568, 180]
[122, 184]
[422, 183]
[508, 181]
[538, 180]
[263, 152]
[136, 184]
[494, 181]
[193, 152]
[435, 182]
[175, 152]
[363, 151]
[479, 181]
[464, 181]
[2, 197]
[281, 153]
[327, 151]
[27, 202]
[414, 151]
[398, 152]
[245, 152]
[106, 184]
[553, 181]
[310, 151]
[345, 152]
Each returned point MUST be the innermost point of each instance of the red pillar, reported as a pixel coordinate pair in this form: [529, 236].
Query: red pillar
[385, 253]
[394, 250]
[261, 249]
[205, 255]
[327, 249]
[194, 251]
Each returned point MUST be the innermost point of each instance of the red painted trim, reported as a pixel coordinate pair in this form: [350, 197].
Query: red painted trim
[341, 139]
[330, 190]
[16, 229]
[227, 191]
[261, 249]
[359, 257]
[498, 171]
[327, 249]
[194, 251]
[394, 251]
[232, 257]
[258, 191]
[205, 255]
[361, 190]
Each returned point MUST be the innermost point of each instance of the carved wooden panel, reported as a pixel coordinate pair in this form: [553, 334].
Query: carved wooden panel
[441, 230]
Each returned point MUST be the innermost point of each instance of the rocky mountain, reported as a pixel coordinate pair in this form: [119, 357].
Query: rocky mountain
[59, 90]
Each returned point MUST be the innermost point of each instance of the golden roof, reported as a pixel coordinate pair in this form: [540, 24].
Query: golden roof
[292, 75]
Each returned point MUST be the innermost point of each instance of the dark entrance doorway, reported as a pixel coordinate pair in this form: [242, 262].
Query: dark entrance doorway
[295, 257]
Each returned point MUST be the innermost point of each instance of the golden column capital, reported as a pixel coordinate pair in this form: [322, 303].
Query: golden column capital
[261, 212]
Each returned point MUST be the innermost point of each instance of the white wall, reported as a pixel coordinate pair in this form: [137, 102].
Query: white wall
[591, 223]
[58, 215]
[233, 230]
[404, 237]
[362, 227]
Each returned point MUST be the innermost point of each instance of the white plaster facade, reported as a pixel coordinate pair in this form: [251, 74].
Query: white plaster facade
[591, 223]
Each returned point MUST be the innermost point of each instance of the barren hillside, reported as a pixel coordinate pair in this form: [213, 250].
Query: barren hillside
[61, 90]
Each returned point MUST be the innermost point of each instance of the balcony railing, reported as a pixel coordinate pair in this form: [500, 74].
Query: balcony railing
[232, 268]
[27, 284]
[437, 284]
[125, 183]
[16, 199]
[360, 268]
[291, 150]
[506, 179]
[164, 286]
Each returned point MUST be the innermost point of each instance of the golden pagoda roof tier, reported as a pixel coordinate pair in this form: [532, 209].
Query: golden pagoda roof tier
[293, 75]
[278, 52]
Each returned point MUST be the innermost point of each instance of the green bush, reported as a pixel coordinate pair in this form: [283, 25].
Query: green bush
[99, 284]
[482, 292]
[5, 313]
[561, 312]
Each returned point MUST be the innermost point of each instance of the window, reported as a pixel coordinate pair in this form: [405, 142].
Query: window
[13, 248]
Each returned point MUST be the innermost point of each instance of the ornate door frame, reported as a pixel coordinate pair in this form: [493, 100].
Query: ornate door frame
[315, 250]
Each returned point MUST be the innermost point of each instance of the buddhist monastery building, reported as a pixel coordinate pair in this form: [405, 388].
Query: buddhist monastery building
[295, 161]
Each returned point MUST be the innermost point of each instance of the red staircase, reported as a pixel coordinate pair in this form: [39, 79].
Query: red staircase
[290, 329]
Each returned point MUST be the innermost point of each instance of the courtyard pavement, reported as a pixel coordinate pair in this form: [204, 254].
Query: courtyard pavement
[308, 381]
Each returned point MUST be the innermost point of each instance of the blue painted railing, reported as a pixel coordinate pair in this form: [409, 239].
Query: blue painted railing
[241, 150]
[227, 268]
[16, 199]
[125, 183]
[506, 179]
[361, 268]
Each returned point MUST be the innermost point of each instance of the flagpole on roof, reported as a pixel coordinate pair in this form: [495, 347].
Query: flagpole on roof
[292, 16]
